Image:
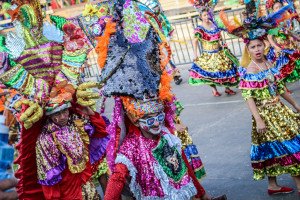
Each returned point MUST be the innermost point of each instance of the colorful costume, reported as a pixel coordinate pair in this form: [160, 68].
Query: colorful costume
[216, 66]
[43, 62]
[288, 61]
[276, 151]
[158, 168]
[188, 147]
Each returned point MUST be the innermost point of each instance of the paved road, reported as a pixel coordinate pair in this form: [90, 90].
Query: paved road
[221, 129]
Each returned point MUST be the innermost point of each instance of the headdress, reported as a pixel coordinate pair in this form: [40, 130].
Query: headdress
[202, 5]
[254, 27]
[138, 109]
[60, 98]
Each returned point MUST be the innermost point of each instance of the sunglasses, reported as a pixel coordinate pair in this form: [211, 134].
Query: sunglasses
[150, 121]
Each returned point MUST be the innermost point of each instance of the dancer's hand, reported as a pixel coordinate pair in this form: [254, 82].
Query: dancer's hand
[7, 184]
[261, 126]
[277, 49]
[206, 197]
[180, 128]
[86, 111]
[297, 107]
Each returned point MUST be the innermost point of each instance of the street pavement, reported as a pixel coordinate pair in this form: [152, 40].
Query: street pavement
[221, 129]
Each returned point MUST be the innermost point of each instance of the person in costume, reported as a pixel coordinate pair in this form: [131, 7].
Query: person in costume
[190, 150]
[36, 59]
[152, 157]
[216, 66]
[70, 141]
[275, 130]
[283, 51]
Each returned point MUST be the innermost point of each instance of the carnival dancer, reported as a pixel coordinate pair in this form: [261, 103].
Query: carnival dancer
[133, 72]
[283, 51]
[70, 141]
[216, 66]
[152, 157]
[39, 60]
[275, 134]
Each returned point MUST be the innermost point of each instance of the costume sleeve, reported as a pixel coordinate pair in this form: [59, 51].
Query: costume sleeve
[99, 124]
[198, 33]
[198, 186]
[116, 183]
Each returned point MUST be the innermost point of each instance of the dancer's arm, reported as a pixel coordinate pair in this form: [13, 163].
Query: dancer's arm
[195, 47]
[116, 183]
[291, 100]
[273, 44]
[261, 126]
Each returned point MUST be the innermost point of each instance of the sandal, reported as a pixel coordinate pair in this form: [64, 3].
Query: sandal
[230, 92]
[216, 94]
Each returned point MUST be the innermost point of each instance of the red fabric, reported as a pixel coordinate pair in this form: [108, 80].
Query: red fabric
[28, 187]
[198, 186]
[116, 183]
[68, 188]
[99, 124]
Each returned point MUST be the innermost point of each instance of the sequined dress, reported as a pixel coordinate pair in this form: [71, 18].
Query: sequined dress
[215, 66]
[288, 62]
[157, 169]
[278, 150]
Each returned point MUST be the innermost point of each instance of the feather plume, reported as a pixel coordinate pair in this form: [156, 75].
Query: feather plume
[226, 22]
[103, 42]
[237, 21]
[279, 13]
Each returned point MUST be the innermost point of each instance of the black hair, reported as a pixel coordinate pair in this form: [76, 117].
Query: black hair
[203, 10]
[275, 3]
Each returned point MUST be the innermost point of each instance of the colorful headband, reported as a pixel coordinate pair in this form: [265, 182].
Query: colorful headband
[138, 109]
[60, 97]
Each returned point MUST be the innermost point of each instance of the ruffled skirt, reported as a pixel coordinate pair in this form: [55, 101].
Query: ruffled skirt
[278, 150]
[288, 63]
[192, 154]
[214, 69]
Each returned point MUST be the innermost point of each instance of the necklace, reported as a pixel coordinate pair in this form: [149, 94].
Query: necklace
[270, 77]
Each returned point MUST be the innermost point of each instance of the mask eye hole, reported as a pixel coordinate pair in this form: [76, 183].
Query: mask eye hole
[150, 121]
[161, 117]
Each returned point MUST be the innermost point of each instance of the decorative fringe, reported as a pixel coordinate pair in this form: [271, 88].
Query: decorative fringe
[165, 87]
[103, 42]
[164, 59]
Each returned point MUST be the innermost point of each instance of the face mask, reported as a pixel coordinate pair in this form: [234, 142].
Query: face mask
[149, 129]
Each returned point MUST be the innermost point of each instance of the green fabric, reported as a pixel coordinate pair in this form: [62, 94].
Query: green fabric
[193, 81]
[76, 59]
[295, 75]
[232, 57]
[200, 174]
[262, 93]
[158, 155]
[102, 169]
[59, 21]
[276, 170]
[179, 107]
[13, 81]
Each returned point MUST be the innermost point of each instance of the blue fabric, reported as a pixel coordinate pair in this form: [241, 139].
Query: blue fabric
[214, 51]
[221, 75]
[212, 32]
[275, 149]
[282, 60]
[73, 64]
[258, 76]
[191, 150]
